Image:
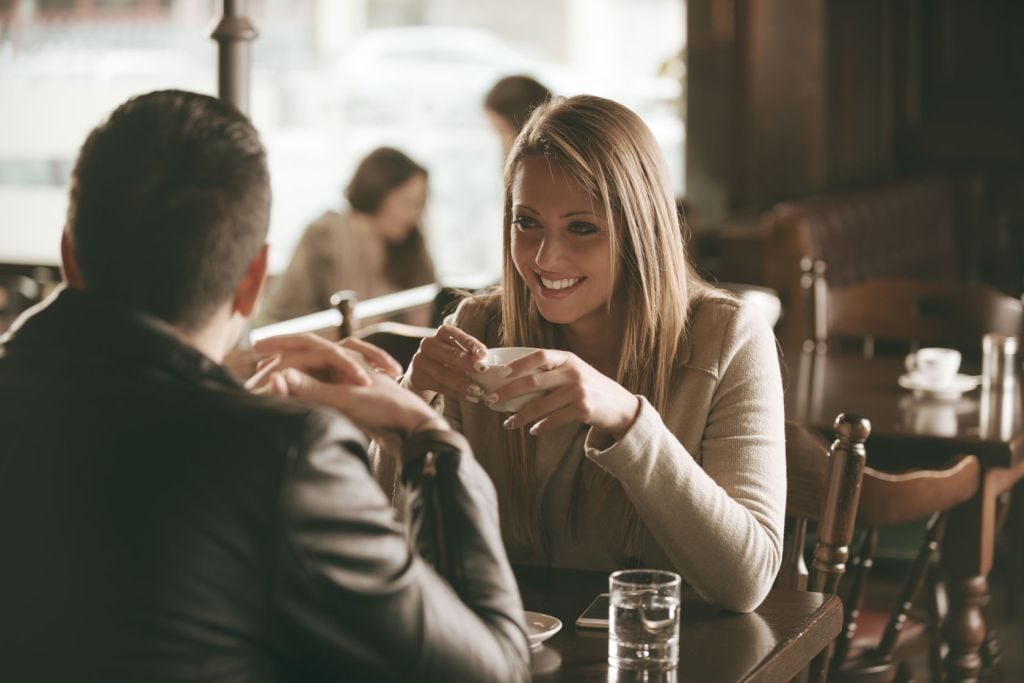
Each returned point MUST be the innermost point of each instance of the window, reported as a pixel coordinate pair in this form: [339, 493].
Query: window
[332, 79]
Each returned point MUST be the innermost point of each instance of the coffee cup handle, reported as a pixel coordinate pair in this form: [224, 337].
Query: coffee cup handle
[910, 362]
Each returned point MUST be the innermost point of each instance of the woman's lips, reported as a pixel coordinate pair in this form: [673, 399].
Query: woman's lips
[557, 288]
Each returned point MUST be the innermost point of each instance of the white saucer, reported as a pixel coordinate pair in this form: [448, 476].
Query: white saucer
[540, 627]
[949, 392]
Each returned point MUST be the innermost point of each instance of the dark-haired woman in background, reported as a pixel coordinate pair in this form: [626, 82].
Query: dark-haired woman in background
[509, 103]
[375, 248]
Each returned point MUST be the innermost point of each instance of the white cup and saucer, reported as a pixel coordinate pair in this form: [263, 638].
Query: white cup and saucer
[493, 377]
[934, 374]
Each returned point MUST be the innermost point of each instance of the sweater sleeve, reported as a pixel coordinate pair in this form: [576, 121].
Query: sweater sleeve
[721, 521]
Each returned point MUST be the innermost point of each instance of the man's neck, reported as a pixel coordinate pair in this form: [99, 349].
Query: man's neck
[213, 339]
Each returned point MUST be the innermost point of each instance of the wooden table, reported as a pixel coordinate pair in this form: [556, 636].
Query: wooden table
[909, 433]
[773, 643]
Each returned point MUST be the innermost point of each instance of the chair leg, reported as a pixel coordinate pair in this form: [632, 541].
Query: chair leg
[936, 610]
[1016, 578]
[858, 574]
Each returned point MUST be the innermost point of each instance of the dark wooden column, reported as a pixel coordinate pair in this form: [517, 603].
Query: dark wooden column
[233, 34]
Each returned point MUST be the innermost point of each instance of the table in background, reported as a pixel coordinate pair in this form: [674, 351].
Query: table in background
[908, 433]
[772, 643]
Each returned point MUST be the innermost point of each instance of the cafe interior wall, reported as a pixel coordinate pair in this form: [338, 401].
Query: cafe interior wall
[789, 98]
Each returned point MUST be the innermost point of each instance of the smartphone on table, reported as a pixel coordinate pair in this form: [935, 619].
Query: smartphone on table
[596, 615]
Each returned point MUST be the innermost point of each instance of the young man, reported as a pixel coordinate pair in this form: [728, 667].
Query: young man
[158, 522]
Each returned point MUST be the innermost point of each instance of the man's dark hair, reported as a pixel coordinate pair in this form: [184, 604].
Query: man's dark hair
[515, 98]
[383, 169]
[170, 201]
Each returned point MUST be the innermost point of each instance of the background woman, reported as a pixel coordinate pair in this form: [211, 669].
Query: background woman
[659, 438]
[375, 248]
[509, 103]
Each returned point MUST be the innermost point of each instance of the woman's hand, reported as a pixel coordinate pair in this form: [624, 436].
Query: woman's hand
[574, 392]
[445, 364]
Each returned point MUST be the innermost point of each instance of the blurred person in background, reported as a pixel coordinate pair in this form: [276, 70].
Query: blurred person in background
[376, 247]
[508, 105]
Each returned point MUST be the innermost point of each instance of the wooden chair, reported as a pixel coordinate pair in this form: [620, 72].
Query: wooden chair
[876, 643]
[824, 487]
[914, 312]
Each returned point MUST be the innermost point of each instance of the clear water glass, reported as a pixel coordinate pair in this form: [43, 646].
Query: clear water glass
[643, 620]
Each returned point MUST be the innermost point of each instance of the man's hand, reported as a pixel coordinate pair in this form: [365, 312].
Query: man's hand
[353, 377]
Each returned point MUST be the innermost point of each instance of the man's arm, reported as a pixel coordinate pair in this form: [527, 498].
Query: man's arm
[354, 598]
[353, 595]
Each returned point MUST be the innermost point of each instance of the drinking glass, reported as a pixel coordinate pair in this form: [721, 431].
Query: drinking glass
[643, 626]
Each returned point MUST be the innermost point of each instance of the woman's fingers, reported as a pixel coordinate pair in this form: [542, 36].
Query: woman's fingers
[562, 416]
[428, 374]
[543, 359]
[454, 348]
[542, 407]
[465, 341]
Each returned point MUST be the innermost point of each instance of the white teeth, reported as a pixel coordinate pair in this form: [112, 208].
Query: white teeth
[559, 284]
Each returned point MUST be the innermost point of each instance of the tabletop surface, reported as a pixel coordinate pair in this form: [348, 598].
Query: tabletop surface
[773, 643]
[983, 422]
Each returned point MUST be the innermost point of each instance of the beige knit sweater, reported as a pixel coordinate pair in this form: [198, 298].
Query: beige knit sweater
[707, 478]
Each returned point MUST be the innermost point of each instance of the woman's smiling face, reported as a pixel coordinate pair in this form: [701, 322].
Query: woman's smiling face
[560, 243]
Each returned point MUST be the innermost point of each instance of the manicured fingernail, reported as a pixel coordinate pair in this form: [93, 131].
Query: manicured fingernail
[491, 399]
[509, 423]
[506, 372]
[472, 399]
[479, 351]
[475, 390]
[480, 366]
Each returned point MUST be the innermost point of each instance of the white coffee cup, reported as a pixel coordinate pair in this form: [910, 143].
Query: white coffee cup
[934, 366]
[493, 377]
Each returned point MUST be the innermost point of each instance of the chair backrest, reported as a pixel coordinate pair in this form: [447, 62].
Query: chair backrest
[915, 312]
[823, 487]
[888, 499]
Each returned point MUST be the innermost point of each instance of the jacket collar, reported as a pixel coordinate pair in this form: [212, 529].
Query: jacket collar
[74, 322]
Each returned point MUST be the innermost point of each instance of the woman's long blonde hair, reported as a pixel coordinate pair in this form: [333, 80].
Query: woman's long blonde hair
[612, 154]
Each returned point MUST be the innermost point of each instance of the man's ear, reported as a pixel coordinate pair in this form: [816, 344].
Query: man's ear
[69, 262]
[247, 294]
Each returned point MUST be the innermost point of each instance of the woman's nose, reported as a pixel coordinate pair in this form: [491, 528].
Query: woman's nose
[549, 254]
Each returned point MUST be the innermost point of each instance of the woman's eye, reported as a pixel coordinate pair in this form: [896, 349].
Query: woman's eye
[583, 228]
[524, 222]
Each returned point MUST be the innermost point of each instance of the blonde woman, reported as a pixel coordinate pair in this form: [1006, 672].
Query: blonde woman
[659, 437]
